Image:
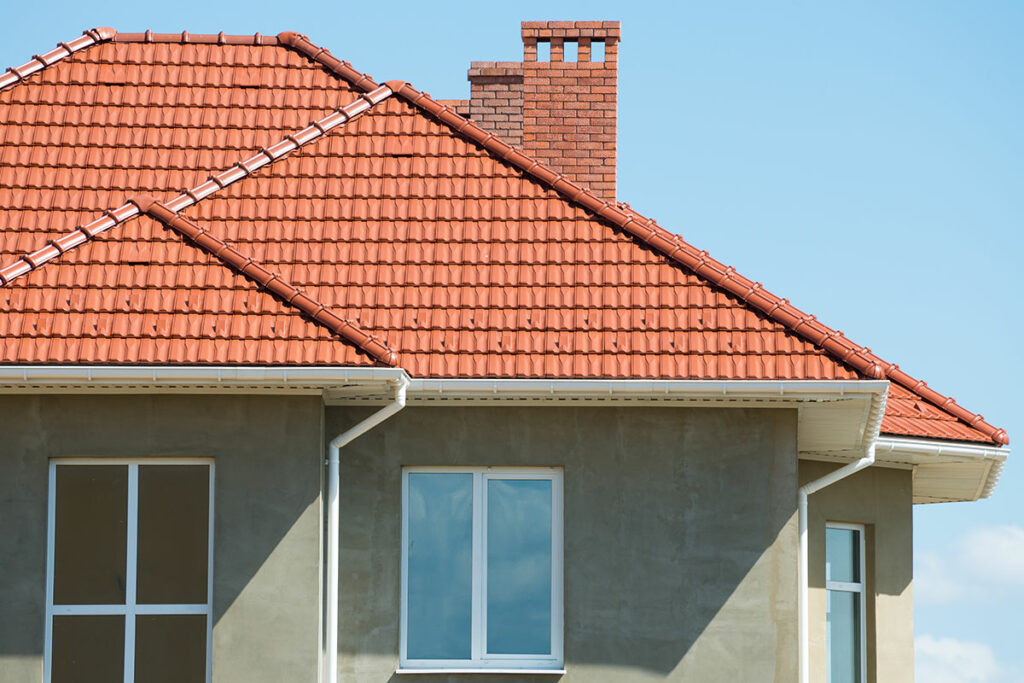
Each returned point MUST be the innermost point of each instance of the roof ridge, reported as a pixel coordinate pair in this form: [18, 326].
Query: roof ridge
[321, 55]
[90, 37]
[699, 262]
[197, 38]
[218, 181]
[290, 39]
[271, 282]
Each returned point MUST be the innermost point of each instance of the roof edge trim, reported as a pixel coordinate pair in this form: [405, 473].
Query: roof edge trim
[270, 282]
[199, 377]
[951, 451]
[17, 74]
[699, 262]
[458, 387]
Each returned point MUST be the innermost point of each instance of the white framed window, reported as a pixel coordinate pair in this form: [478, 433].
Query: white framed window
[845, 620]
[481, 569]
[129, 574]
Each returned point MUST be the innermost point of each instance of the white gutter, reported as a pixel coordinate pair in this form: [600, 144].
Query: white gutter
[41, 378]
[333, 509]
[479, 389]
[939, 451]
[871, 436]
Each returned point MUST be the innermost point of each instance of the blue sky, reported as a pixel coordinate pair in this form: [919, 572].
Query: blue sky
[865, 160]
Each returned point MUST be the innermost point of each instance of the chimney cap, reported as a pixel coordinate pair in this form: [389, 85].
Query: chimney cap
[596, 30]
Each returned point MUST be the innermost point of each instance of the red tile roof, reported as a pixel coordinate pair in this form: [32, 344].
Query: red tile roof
[408, 228]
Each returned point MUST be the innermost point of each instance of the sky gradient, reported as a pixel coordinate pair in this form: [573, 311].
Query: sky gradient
[865, 161]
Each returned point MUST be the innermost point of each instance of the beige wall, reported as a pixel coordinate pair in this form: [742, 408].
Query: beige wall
[881, 500]
[680, 552]
[680, 535]
[267, 538]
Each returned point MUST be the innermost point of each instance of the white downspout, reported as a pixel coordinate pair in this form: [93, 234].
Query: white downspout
[333, 509]
[804, 616]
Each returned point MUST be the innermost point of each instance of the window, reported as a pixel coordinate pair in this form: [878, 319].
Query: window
[481, 569]
[128, 575]
[845, 594]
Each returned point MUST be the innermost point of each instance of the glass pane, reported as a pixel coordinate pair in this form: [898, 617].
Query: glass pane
[842, 555]
[90, 531]
[519, 566]
[843, 637]
[440, 571]
[170, 648]
[174, 505]
[87, 648]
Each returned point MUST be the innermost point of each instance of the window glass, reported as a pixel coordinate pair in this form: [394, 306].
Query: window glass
[843, 637]
[170, 648]
[845, 601]
[440, 565]
[128, 570]
[87, 648]
[90, 534]
[519, 566]
[481, 568]
[174, 506]
[842, 555]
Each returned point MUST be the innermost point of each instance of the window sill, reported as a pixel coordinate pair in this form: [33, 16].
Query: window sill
[529, 672]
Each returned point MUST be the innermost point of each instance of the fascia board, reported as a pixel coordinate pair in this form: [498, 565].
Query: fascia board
[435, 390]
[922, 452]
[216, 379]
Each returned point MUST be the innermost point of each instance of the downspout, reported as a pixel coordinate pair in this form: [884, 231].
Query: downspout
[333, 510]
[873, 428]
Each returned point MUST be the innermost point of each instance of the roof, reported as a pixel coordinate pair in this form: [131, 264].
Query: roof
[390, 231]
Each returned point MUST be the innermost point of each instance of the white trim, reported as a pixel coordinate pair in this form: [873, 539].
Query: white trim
[946, 451]
[51, 525]
[131, 572]
[116, 378]
[130, 609]
[520, 672]
[859, 588]
[333, 530]
[562, 389]
[481, 661]
[871, 431]
[304, 379]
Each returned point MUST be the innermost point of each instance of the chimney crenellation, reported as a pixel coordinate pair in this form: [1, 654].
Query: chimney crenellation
[563, 113]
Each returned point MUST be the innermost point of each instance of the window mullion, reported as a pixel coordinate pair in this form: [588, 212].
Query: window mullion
[130, 573]
[51, 522]
[479, 618]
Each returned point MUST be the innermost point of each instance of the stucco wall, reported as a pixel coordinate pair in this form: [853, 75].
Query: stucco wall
[881, 499]
[267, 516]
[680, 534]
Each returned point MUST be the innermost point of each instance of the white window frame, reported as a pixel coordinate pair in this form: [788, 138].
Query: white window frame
[855, 587]
[481, 661]
[130, 609]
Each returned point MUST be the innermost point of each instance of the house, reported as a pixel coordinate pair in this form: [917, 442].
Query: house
[387, 390]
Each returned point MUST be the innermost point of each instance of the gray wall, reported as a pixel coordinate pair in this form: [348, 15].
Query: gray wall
[881, 499]
[267, 516]
[680, 534]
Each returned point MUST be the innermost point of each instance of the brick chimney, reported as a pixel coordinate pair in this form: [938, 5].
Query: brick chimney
[559, 103]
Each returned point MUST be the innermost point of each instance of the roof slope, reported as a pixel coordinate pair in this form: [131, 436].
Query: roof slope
[459, 252]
